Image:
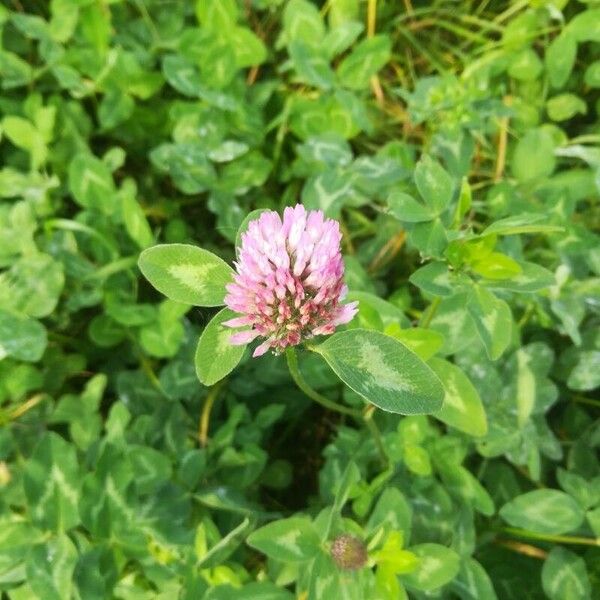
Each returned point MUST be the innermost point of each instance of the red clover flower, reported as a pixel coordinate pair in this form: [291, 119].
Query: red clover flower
[289, 282]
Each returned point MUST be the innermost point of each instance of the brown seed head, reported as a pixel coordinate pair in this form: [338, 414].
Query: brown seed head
[349, 552]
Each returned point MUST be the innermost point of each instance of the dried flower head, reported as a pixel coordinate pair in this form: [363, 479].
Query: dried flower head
[289, 282]
[348, 552]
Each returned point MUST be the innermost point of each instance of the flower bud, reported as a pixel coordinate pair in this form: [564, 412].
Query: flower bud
[349, 552]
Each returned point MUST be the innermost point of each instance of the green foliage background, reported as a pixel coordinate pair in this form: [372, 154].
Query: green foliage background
[458, 143]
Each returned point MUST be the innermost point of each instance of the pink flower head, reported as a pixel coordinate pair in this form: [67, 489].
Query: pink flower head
[289, 281]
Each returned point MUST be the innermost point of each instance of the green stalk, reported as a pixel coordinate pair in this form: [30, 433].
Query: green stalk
[430, 313]
[206, 411]
[292, 361]
[558, 539]
[372, 427]
[584, 400]
[69, 225]
[6, 416]
[362, 417]
[121, 264]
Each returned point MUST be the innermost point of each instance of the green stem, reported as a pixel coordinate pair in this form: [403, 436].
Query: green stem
[526, 315]
[149, 22]
[365, 417]
[69, 225]
[10, 414]
[430, 313]
[509, 12]
[584, 139]
[372, 427]
[559, 539]
[111, 268]
[25, 406]
[292, 361]
[146, 365]
[584, 400]
[206, 411]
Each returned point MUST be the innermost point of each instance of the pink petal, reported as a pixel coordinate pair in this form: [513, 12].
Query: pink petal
[238, 322]
[243, 337]
[260, 350]
[346, 313]
[327, 329]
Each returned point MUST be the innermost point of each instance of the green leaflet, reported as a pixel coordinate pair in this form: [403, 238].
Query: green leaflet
[525, 223]
[437, 566]
[21, 338]
[32, 286]
[462, 407]
[50, 567]
[92, 184]
[294, 539]
[51, 483]
[493, 321]
[186, 273]
[215, 355]
[564, 576]
[434, 184]
[383, 371]
[472, 582]
[370, 55]
[544, 511]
